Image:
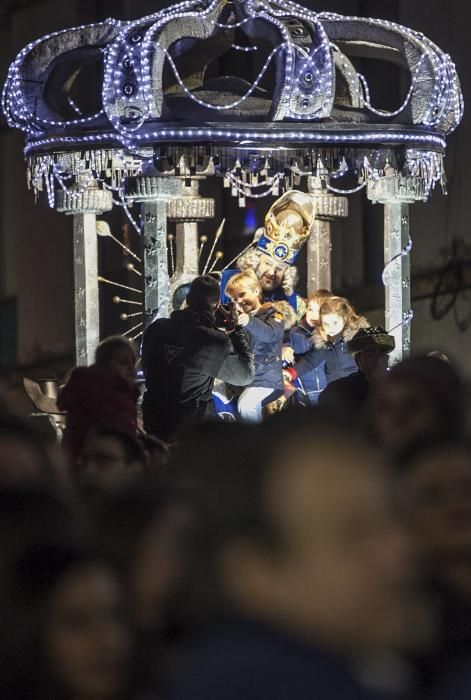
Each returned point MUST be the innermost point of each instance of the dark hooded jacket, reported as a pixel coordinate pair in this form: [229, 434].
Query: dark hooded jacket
[181, 357]
[266, 329]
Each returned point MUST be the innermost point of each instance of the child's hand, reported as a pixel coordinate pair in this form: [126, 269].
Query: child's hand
[287, 354]
[242, 318]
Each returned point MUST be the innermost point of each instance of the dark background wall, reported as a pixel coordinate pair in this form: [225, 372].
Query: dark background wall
[36, 258]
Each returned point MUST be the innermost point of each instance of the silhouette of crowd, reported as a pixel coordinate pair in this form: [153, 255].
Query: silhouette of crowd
[322, 554]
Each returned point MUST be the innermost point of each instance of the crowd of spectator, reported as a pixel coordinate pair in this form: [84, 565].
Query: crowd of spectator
[322, 554]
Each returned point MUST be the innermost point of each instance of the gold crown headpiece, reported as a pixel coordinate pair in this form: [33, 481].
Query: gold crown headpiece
[288, 224]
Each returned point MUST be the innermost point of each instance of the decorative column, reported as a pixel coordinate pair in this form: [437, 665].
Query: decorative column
[84, 202]
[154, 192]
[189, 209]
[319, 245]
[396, 193]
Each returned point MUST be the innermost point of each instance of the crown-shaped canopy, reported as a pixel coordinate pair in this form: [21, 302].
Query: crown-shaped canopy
[124, 87]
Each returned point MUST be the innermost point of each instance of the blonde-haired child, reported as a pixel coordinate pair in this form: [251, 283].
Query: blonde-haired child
[265, 324]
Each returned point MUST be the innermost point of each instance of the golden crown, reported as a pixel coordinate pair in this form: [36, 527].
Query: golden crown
[288, 224]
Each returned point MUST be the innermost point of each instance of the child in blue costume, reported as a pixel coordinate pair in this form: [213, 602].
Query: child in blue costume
[300, 341]
[265, 325]
[338, 324]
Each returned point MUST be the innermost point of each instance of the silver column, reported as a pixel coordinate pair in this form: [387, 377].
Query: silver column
[84, 202]
[153, 193]
[189, 209]
[396, 193]
[87, 311]
[319, 245]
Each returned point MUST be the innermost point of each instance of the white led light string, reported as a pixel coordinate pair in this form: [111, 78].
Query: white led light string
[402, 254]
[445, 95]
[113, 76]
[192, 133]
[232, 104]
[148, 43]
[446, 80]
[245, 188]
[14, 106]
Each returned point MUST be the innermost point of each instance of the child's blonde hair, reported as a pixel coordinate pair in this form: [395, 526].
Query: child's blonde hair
[342, 307]
[242, 280]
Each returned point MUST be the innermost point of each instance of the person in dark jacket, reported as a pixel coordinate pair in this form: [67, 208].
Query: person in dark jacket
[265, 324]
[181, 357]
[338, 324]
[369, 348]
[101, 395]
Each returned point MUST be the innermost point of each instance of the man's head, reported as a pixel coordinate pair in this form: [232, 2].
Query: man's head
[204, 294]
[370, 348]
[270, 272]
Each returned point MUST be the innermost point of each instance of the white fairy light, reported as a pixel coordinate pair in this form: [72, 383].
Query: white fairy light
[133, 111]
[403, 254]
[354, 190]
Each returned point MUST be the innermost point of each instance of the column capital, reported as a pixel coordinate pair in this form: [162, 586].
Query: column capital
[396, 189]
[152, 188]
[328, 205]
[83, 200]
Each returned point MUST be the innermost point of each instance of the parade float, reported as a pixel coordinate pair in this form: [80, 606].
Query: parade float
[160, 117]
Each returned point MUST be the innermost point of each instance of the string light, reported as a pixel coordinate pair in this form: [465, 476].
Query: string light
[407, 317]
[130, 45]
[402, 254]
[196, 134]
[134, 53]
[354, 190]
[247, 49]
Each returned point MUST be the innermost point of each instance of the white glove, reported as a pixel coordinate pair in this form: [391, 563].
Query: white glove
[287, 354]
[243, 319]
